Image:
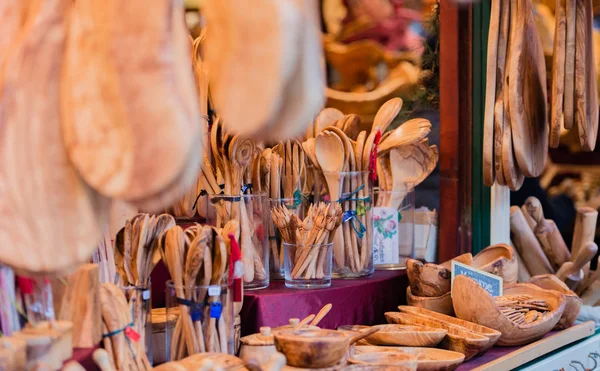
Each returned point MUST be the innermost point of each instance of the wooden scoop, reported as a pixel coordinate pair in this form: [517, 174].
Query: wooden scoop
[571, 272]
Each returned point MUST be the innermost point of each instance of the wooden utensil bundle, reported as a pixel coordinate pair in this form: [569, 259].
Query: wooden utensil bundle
[120, 340]
[522, 309]
[317, 229]
[199, 257]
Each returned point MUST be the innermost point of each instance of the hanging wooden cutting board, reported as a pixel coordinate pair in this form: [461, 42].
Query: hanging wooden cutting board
[569, 85]
[586, 86]
[130, 112]
[503, 35]
[252, 52]
[528, 97]
[490, 96]
[51, 221]
[558, 72]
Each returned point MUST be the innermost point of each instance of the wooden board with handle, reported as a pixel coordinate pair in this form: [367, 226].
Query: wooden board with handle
[558, 72]
[588, 126]
[528, 97]
[569, 85]
[499, 110]
[490, 96]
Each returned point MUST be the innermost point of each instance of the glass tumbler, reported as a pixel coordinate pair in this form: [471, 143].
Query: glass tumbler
[295, 205]
[307, 266]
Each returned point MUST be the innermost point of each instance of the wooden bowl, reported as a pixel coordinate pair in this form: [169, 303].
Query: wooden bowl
[440, 304]
[458, 339]
[490, 333]
[400, 361]
[428, 359]
[573, 302]
[484, 311]
[500, 260]
[225, 361]
[312, 348]
[432, 280]
[402, 335]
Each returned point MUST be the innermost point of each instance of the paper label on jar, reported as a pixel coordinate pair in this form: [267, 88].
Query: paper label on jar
[385, 235]
[214, 290]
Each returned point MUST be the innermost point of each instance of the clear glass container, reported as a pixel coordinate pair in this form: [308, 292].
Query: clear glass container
[307, 266]
[296, 205]
[204, 320]
[140, 303]
[393, 228]
[352, 250]
[253, 213]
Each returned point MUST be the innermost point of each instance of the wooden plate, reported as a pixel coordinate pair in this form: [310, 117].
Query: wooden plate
[558, 72]
[428, 359]
[404, 335]
[528, 106]
[400, 361]
[490, 98]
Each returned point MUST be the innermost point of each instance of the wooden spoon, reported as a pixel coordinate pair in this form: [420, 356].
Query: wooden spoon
[322, 313]
[386, 114]
[327, 117]
[304, 322]
[411, 131]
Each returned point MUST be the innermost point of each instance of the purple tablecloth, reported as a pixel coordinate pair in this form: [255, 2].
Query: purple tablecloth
[358, 301]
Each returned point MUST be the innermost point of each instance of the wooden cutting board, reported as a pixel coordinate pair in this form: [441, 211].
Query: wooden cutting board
[528, 105]
[131, 109]
[558, 72]
[499, 121]
[569, 93]
[490, 96]
[51, 221]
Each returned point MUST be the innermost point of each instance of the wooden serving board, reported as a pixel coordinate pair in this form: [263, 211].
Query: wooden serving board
[50, 220]
[490, 96]
[569, 85]
[528, 105]
[499, 120]
[558, 72]
[543, 346]
[588, 128]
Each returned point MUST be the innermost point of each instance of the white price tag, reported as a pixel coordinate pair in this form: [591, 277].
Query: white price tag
[214, 290]
[146, 294]
[385, 236]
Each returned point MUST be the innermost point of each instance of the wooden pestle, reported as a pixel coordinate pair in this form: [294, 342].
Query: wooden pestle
[528, 246]
[571, 272]
[547, 233]
[585, 230]
[594, 275]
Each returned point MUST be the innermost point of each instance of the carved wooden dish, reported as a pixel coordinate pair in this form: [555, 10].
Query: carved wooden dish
[224, 361]
[440, 304]
[399, 360]
[573, 302]
[428, 359]
[500, 260]
[429, 279]
[312, 348]
[403, 335]
[490, 333]
[484, 310]
[458, 339]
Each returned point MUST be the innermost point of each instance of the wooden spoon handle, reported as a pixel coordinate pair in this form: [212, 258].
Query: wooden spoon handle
[102, 360]
[322, 313]
[304, 322]
[585, 254]
[363, 334]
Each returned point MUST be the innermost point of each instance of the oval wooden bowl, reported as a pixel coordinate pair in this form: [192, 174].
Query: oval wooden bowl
[490, 333]
[440, 304]
[402, 335]
[225, 361]
[573, 302]
[428, 359]
[400, 361]
[484, 310]
[458, 339]
[500, 260]
[312, 348]
[432, 280]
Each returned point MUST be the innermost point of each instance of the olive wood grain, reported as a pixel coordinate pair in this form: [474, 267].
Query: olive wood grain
[558, 72]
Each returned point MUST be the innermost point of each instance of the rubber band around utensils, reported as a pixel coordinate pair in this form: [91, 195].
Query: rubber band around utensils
[195, 308]
[350, 196]
[214, 200]
[350, 216]
[117, 332]
[247, 187]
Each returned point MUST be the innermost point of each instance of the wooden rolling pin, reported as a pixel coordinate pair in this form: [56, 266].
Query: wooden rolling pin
[593, 276]
[528, 246]
[571, 272]
[523, 273]
[585, 230]
[547, 233]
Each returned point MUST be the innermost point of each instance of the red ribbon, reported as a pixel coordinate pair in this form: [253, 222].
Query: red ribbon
[373, 159]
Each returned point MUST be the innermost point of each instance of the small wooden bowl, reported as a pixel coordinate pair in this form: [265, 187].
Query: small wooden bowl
[500, 260]
[484, 311]
[428, 359]
[403, 335]
[312, 348]
[400, 361]
[432, 280]
[573, 302]
[490, 333]
[458, 339]
[440, 304]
